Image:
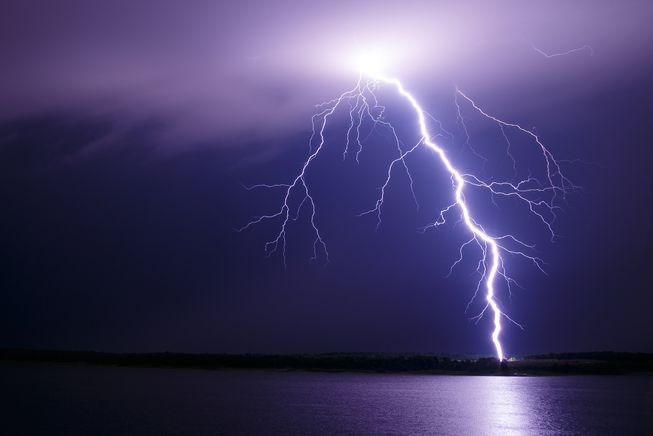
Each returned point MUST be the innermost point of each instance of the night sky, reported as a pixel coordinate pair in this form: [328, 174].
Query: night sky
[128, 129]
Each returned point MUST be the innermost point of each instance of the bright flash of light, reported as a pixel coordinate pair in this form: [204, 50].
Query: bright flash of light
[370, 61]
[540, 196]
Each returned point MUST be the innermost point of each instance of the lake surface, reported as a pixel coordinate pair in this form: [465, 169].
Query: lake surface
[96, 400]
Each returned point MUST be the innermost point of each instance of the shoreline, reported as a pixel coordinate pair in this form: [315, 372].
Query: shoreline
[594, 363]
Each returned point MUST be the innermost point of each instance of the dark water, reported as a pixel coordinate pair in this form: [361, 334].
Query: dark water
[78, 400]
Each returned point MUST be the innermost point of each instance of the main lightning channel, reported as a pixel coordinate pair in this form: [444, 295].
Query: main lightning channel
[538, 195]
[460, 202]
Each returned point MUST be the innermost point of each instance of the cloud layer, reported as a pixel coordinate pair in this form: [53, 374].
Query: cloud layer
[204, 70]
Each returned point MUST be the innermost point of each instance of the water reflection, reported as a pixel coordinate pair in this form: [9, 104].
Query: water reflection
[46, 399]
[507, 405]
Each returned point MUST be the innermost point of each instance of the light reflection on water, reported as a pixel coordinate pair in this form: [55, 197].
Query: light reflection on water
[506, 409]
[47, 399]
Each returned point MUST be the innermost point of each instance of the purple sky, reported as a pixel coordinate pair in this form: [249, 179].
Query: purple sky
[207, 70]
[127, 129]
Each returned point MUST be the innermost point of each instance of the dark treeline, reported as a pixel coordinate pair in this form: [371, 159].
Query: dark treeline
[606, 356]
[565, 363]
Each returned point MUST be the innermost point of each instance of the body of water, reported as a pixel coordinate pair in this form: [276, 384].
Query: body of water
[95, 400]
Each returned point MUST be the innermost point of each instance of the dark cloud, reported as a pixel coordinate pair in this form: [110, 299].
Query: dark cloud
[204, 69]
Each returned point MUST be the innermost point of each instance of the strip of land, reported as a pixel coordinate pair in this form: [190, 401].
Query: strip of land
[543, 364]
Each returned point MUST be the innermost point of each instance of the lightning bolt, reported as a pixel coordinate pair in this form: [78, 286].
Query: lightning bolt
[587, 48]
[539, 195]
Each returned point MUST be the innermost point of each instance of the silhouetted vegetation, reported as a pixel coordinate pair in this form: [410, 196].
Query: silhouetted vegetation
[564, 363]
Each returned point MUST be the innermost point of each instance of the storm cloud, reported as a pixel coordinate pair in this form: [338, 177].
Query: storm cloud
[233, 71]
